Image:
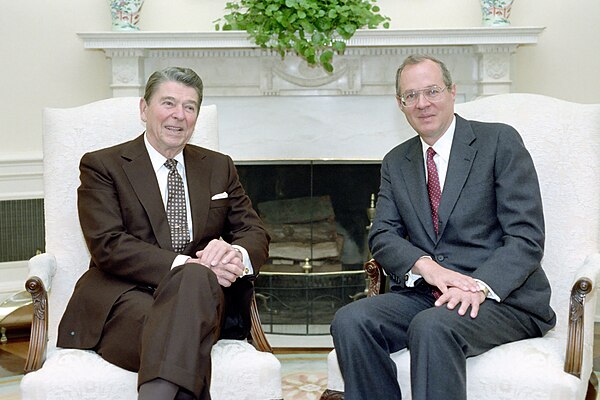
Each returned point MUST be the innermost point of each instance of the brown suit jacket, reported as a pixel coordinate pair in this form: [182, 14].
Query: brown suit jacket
[124, 223]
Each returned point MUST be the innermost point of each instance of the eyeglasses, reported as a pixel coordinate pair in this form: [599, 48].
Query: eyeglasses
[431, 93]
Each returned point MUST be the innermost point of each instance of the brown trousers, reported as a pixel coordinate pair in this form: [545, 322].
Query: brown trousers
[167, 334]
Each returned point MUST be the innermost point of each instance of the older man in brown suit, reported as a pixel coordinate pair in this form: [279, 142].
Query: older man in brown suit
[174, 242]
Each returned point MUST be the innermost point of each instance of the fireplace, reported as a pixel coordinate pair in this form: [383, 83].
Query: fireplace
[317, 215]
[293, 124]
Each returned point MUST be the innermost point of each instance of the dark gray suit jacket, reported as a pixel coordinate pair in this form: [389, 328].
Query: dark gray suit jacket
[491, 224]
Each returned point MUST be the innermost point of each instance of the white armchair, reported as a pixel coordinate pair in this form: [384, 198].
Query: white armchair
[239, 370]
[564, 140]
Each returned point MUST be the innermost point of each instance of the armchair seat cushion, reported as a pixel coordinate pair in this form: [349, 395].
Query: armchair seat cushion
[510, 372]
[239, 372]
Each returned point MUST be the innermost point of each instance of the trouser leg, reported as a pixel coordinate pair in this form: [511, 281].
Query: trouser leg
[181, 327]
[440, 340]
[158, 389]
[122, 333]
[365, 332]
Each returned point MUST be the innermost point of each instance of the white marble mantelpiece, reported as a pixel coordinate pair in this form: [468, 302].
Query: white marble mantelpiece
[274, 110]
[479, 59]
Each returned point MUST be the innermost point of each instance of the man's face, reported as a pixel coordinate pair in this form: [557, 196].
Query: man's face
[429, 119]
[170, 117]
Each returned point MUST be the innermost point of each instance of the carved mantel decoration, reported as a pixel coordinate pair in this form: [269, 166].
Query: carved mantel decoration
[479, 58]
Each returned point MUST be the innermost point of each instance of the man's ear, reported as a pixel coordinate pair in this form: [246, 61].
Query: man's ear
[143, 107]
[399, 102]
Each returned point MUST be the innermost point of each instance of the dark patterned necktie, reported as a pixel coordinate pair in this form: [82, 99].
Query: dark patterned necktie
[435, 195]
[176, 213]
[433, 188]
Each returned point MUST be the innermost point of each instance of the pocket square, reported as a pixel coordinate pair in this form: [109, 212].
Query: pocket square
[218, 196]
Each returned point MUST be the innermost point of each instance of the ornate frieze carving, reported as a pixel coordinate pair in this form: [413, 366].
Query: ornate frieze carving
[480, 59]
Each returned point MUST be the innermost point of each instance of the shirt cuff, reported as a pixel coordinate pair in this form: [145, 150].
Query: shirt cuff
[248, 270]
[490, 293]
[411, 278]
[180, 259]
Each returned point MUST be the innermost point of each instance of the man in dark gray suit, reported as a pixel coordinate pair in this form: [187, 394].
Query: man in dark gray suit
[459, 230]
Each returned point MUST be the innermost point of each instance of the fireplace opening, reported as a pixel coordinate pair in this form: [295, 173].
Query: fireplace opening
[317, 213]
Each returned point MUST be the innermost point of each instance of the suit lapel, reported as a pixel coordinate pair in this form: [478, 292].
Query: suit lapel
[136, 168]
[461, 160]
[198, 172]
[414, 177]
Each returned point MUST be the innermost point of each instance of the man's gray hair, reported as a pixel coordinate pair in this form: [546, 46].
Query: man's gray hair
[417, 59]
[185, 76]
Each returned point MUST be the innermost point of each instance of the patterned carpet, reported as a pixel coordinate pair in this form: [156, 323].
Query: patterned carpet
[304, 376]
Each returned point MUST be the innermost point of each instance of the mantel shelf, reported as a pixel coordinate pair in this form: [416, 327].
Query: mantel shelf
[362, 38]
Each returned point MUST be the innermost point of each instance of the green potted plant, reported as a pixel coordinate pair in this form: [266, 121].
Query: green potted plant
[312, 29]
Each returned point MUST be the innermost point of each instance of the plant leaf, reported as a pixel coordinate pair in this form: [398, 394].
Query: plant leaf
[326, 57]
[339, 46]
[313, 29]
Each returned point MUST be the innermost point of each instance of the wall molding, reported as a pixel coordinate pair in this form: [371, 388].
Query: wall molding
[21, 176]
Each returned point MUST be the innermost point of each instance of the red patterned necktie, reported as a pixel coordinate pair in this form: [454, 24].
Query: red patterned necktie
[176, 211]
[435, 195]
[433, 188]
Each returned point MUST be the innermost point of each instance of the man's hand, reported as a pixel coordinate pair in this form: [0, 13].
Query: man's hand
[443, 278]
[455, 296]
[223, 259]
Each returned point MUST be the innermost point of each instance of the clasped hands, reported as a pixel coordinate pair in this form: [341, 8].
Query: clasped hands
[456, 288]
[223, 259]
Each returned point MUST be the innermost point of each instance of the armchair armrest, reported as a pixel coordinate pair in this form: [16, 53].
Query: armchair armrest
[581, 293]
[41, 270]
[377, 278]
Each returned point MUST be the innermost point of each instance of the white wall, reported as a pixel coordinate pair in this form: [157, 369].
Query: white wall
[44, 63]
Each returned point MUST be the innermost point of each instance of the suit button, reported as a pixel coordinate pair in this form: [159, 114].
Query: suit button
[439, 258]
[72, 333]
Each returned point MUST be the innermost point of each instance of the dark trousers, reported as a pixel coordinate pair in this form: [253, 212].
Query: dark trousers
[367, 331]
[168, 334]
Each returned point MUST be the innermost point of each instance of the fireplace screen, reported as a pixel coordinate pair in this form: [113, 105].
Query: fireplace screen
[317, 214]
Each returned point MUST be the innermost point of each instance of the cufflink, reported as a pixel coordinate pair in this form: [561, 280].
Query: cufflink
[245, 272]
[484, 289]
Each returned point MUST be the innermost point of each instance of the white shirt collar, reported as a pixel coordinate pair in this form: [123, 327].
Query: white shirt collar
[158, 160]
[443, 145]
